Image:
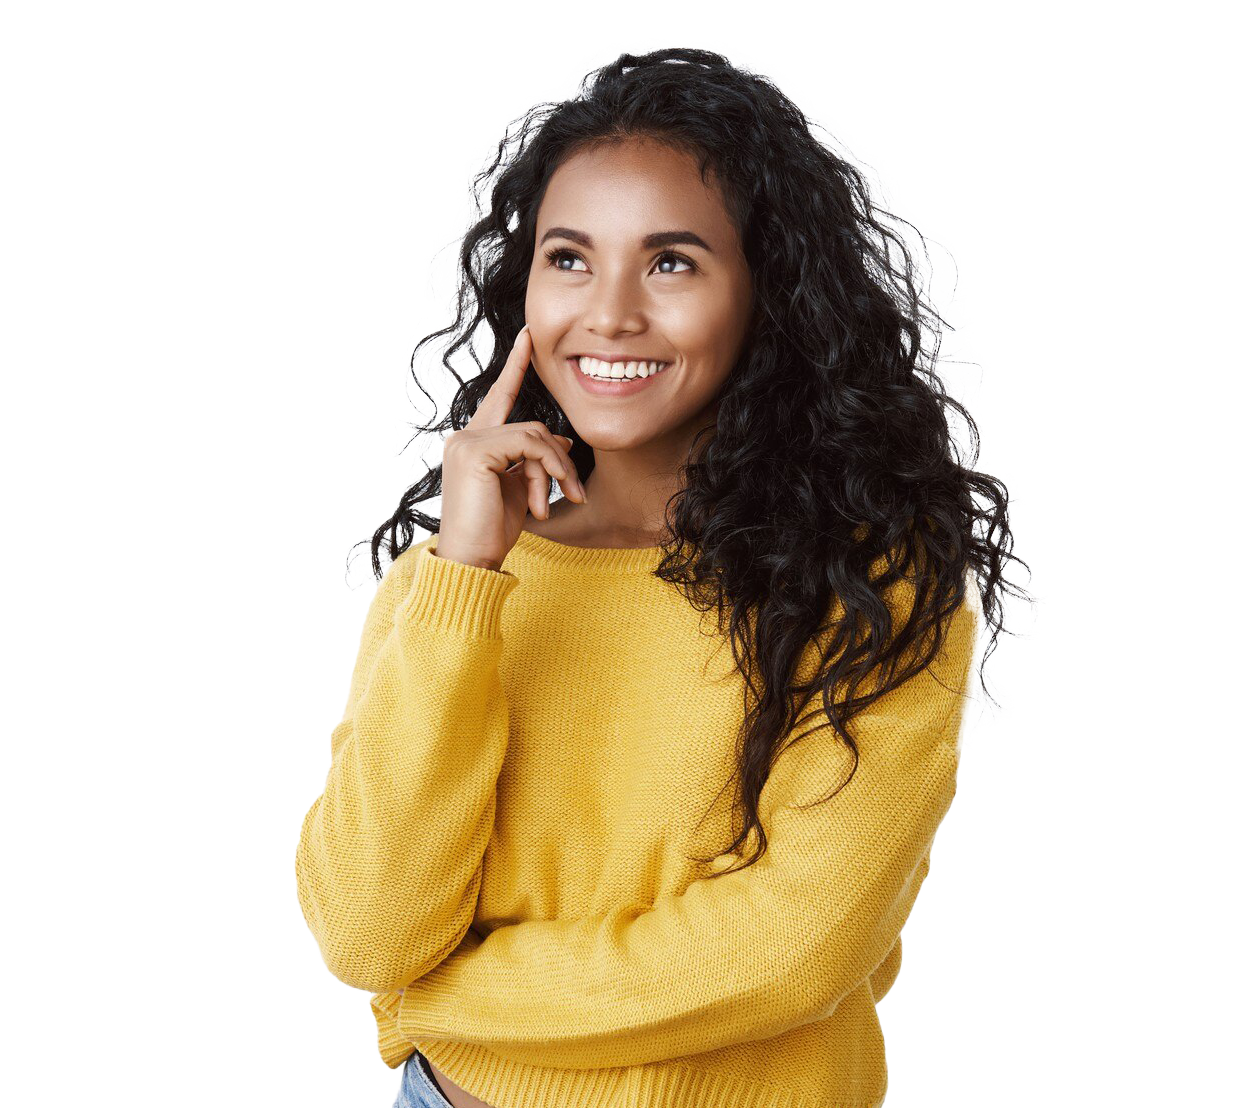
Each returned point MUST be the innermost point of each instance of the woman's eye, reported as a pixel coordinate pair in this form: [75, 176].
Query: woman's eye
[558, 256]
[556, 259]
[672, 258]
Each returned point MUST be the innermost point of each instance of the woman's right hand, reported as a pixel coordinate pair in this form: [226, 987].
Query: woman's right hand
[494, 473]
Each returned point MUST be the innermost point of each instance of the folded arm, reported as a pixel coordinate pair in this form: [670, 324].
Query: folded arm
[388, 865]
[746, 955]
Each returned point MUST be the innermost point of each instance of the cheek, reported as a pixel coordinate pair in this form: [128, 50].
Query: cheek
[706, 330]
[544, 308]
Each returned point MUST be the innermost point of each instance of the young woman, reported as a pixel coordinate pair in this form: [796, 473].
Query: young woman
[635, 788]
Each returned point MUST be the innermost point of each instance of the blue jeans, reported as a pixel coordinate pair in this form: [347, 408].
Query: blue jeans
[418, 1088]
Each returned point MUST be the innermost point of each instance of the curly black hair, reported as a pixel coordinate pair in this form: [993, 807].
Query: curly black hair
[830, 477]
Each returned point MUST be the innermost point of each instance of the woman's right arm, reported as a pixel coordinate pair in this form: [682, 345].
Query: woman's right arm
[388, 865]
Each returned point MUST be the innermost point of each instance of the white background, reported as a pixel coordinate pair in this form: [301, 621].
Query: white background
[287, 146]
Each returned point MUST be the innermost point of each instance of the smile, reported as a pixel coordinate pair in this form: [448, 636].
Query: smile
[616, 379]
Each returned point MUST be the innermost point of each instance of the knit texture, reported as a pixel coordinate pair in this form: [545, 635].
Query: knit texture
[527, 761]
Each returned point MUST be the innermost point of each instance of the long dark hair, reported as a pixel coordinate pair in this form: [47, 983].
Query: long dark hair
[831, 452]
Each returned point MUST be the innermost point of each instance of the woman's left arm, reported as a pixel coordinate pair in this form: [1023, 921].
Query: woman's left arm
[747, 955]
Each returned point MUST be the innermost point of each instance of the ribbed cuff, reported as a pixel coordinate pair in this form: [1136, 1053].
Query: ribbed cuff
[431, 1000]
[435, 994]
[393, 1048]
[454, 596]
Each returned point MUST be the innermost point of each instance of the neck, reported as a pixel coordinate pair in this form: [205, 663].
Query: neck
[628, 489]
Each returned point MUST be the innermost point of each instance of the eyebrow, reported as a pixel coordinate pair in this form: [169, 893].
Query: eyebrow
[650, 241]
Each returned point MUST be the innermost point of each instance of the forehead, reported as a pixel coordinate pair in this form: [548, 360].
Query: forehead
[618, 192]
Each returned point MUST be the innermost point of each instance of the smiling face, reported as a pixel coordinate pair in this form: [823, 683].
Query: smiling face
[636, 259]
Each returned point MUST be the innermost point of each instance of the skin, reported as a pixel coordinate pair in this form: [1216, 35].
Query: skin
[619, 296]
[457, 1096]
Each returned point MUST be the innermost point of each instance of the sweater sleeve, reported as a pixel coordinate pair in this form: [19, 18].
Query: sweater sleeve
[388, 865]
[745, 955]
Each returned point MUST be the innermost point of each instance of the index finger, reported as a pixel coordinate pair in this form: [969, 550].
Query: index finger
[496, 406]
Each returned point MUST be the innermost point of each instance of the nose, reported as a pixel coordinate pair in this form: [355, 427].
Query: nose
[615, 307]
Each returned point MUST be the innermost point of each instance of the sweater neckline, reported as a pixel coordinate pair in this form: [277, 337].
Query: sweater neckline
[611, 559]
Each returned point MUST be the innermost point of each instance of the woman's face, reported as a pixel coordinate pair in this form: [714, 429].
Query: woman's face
[612, 291]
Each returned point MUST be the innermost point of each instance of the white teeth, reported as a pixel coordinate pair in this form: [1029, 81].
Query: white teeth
[613, 370]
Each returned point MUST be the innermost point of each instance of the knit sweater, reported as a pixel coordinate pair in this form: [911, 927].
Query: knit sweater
[528, 760]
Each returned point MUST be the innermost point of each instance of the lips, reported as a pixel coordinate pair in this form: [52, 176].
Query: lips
[615, 386]
[618, 369]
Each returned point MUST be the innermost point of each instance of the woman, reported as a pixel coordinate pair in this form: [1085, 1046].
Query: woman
[585, 846]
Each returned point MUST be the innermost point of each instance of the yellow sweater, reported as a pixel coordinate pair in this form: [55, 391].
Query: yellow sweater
[500, 853]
